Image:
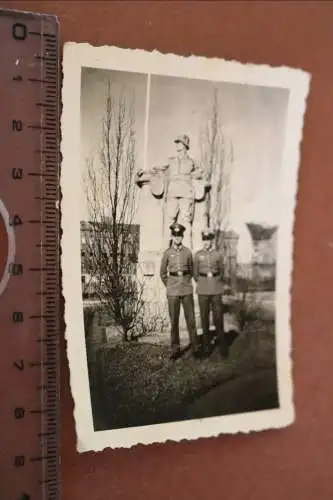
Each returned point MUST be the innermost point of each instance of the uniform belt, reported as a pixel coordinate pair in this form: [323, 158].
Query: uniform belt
[209, 275]
[180, 273]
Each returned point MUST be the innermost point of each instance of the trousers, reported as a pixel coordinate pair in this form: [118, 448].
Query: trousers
[174, 303]
[181, 210]
[206, 303]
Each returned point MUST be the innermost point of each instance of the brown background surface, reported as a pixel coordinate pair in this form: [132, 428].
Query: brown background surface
[297, 462]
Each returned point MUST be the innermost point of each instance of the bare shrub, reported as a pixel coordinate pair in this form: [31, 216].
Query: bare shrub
[110, 194]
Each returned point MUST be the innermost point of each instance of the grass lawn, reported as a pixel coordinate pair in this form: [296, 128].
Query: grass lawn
[139, 385]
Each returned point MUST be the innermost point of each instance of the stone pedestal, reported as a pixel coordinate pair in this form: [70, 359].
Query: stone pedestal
[150, 218]
[149, 275]
[152, 246]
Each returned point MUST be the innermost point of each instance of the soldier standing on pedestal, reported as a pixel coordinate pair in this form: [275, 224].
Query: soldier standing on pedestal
[176, 273]
[208, 273]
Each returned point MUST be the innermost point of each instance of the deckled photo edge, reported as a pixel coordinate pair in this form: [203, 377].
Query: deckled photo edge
[292, 155]
[189, 66]
[70, 242]
[77, 56]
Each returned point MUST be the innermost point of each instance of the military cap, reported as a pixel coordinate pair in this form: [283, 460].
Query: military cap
[184, 139]
[177, 229]
[207, 234]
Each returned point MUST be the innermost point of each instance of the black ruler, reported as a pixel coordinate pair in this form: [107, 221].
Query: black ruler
[29, 256]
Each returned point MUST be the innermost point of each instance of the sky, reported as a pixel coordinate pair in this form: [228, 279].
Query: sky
[253, 119]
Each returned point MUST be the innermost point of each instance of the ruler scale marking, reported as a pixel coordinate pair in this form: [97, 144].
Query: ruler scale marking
[32, 95]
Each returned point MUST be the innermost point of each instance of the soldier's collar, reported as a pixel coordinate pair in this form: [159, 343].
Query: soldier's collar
[177, 247]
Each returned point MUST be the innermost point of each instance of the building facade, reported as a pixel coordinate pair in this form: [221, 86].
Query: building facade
[97, 246]
[264, 241]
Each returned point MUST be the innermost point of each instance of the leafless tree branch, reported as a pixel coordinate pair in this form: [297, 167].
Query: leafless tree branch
[110, 195]
[217, 156]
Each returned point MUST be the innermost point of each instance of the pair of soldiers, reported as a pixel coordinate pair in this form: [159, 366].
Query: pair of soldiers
[177, 270]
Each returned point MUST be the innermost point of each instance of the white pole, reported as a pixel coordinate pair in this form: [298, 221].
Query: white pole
[143, 203]
[146, 123]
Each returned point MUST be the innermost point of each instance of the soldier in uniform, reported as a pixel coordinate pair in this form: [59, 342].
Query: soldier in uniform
[176, 273]
[181, 171]
[208, 274]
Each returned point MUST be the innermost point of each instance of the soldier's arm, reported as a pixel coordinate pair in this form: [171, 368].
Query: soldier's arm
[196, 267]
[221, 266]
[164, 268]
[190, 263]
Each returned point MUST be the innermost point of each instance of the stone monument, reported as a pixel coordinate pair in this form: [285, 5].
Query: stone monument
[180, 185]
[159, 206]
[170, 193]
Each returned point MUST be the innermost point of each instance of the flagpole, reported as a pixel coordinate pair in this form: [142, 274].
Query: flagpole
[143, 207]
[146, 123]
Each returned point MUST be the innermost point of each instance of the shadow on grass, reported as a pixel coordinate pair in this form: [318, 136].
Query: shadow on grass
[136, 383]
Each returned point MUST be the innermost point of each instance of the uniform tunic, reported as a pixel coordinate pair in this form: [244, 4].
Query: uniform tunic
[208, 272]
[180, 171]
[177, 261]
[176, 273]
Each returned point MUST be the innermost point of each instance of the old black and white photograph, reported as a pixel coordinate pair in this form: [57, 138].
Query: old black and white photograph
[179, 184]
